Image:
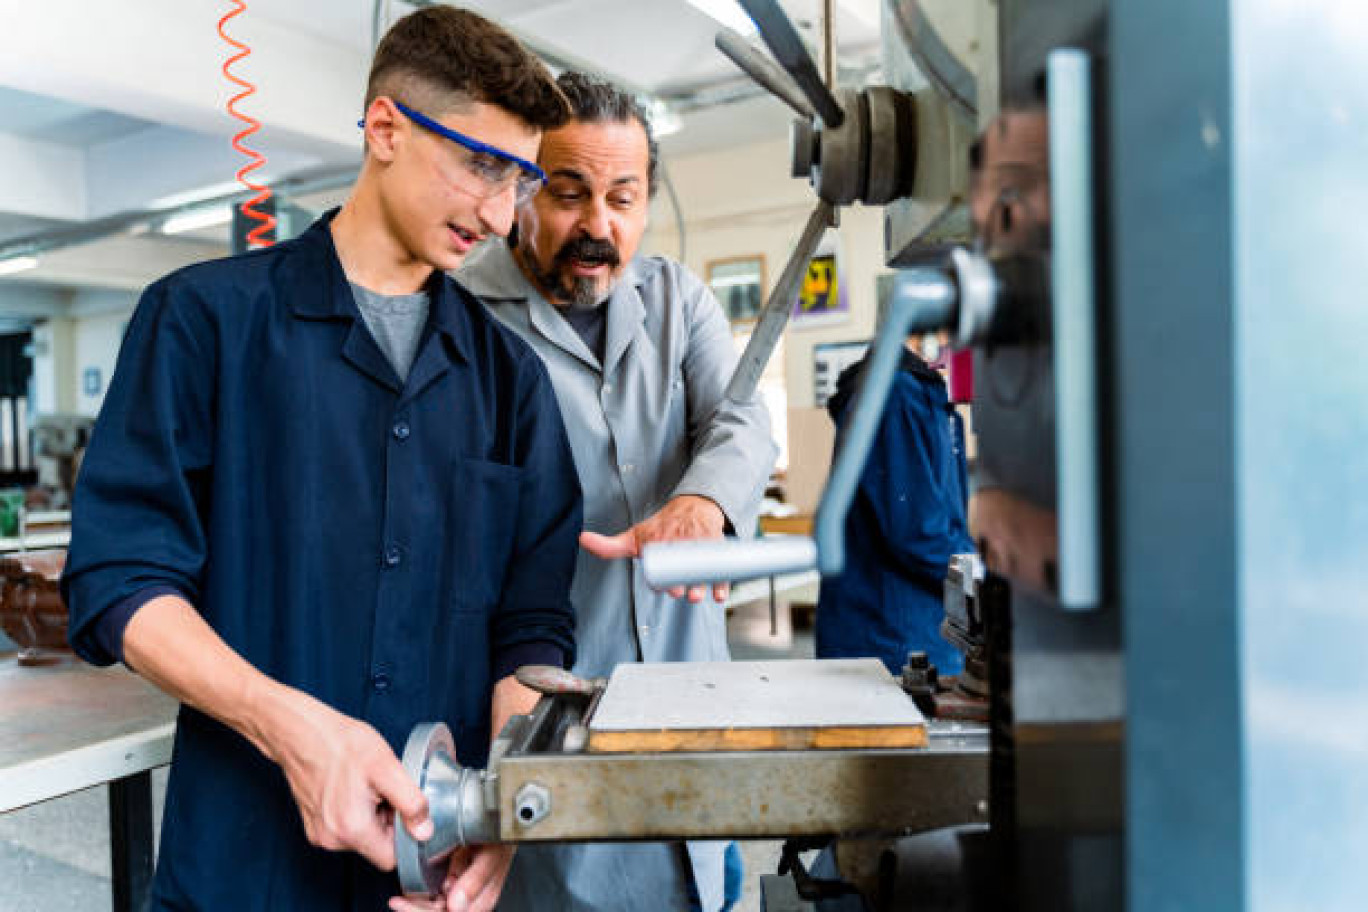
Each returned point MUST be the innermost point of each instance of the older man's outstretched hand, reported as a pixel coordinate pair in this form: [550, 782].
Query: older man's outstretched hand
[685, 518]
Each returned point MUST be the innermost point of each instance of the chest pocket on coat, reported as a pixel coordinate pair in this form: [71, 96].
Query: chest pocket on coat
[486, 500]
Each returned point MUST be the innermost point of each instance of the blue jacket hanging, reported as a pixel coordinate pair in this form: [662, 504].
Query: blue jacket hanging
[907, 519]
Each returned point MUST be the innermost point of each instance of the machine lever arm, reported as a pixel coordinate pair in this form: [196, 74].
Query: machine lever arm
[764, 71]
[770, 327]
[787, 46]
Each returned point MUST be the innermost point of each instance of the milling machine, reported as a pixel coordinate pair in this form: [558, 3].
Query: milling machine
[1142, 519]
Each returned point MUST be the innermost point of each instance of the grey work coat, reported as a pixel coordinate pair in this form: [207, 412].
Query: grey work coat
[648, 424]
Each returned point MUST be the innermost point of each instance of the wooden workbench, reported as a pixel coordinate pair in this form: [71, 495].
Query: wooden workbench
[68, 727]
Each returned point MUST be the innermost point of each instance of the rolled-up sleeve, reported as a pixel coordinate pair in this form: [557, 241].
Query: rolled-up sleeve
[732, 450]
[534, 622]
[137, 518]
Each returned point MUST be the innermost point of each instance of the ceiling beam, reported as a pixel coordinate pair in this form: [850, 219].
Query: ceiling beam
[136, 171]
[41, 179]
[160, 60]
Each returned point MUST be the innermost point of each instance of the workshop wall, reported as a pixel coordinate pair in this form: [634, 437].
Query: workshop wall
[54, 380]
[75, 331]
[95, 347]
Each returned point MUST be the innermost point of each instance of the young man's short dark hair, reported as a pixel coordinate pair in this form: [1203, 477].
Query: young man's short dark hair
[415, 63]
[595, 100]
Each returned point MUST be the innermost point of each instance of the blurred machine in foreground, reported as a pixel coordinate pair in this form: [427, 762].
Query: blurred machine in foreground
[1163, 303]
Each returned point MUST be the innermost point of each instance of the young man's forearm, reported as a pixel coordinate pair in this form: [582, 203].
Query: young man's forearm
[169, 644]
[340, 770]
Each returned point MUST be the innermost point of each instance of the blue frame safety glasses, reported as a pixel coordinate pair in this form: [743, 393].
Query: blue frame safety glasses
[492, 166]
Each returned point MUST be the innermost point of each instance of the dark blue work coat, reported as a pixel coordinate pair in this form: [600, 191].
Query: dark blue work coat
[390, 549]
[907, 519]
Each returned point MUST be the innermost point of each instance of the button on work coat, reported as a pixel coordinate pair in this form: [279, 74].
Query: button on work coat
[388, 548]
[647, 424]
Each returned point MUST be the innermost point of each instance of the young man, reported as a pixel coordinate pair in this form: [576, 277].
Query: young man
[640, 356]
[329, 498]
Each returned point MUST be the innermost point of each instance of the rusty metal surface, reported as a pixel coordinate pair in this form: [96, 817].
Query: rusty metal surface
[751, 794]
[552, 679]
[69, 726]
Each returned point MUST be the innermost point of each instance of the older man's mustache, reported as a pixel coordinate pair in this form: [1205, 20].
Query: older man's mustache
[589, 250]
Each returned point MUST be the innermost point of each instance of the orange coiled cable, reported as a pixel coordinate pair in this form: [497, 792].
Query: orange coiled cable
[258, 236]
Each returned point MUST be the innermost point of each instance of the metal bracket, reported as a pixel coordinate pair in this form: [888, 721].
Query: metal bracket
[811, 889]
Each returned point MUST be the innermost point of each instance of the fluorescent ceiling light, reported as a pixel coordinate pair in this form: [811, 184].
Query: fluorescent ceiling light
[207, 192]
[727, 12]
[866, 11]
[664, 120]
[196, 219]
[17, 264]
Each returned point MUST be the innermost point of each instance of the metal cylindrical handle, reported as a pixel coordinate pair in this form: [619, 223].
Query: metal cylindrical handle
[669, 564]
[1075, 340]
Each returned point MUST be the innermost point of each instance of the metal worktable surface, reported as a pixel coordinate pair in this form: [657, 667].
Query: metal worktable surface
[67, 727]
[70, 726]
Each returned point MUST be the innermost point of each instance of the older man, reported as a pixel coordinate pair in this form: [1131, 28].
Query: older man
[639, 354]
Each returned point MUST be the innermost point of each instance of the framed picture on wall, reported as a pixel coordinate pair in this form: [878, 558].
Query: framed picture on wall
[829, 361]
[738, 283]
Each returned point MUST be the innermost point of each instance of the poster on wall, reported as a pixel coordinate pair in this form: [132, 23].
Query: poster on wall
[822, 300]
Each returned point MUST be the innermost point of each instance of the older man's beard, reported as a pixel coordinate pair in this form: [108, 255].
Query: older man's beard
[577, 292]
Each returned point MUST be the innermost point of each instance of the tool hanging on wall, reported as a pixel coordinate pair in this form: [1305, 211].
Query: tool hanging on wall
[263, 235]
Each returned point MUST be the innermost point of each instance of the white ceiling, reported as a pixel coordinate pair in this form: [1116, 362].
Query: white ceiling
[100, 132]
[54, 120]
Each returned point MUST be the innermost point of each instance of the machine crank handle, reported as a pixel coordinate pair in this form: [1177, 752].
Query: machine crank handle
[458, 803]
[923, 299]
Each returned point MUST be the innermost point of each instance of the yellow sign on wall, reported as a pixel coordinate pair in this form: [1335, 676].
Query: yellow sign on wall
[821, 294]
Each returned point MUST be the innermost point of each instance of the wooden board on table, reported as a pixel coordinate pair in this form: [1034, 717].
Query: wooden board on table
[797, 524]
[780, 705]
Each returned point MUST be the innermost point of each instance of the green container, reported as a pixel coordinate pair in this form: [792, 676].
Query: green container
[11, 502]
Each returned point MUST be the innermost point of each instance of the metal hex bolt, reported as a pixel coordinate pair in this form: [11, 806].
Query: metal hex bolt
[532, 804]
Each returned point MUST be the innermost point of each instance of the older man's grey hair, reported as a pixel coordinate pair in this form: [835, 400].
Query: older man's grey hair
[596, 100]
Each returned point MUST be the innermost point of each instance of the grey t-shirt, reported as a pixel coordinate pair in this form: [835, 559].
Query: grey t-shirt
[589, 323]
[396, 322]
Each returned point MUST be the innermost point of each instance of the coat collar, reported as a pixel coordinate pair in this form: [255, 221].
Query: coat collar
[496, 278]
[314, 254]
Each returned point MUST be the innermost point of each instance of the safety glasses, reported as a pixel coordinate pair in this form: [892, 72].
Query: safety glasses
[493, 170]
